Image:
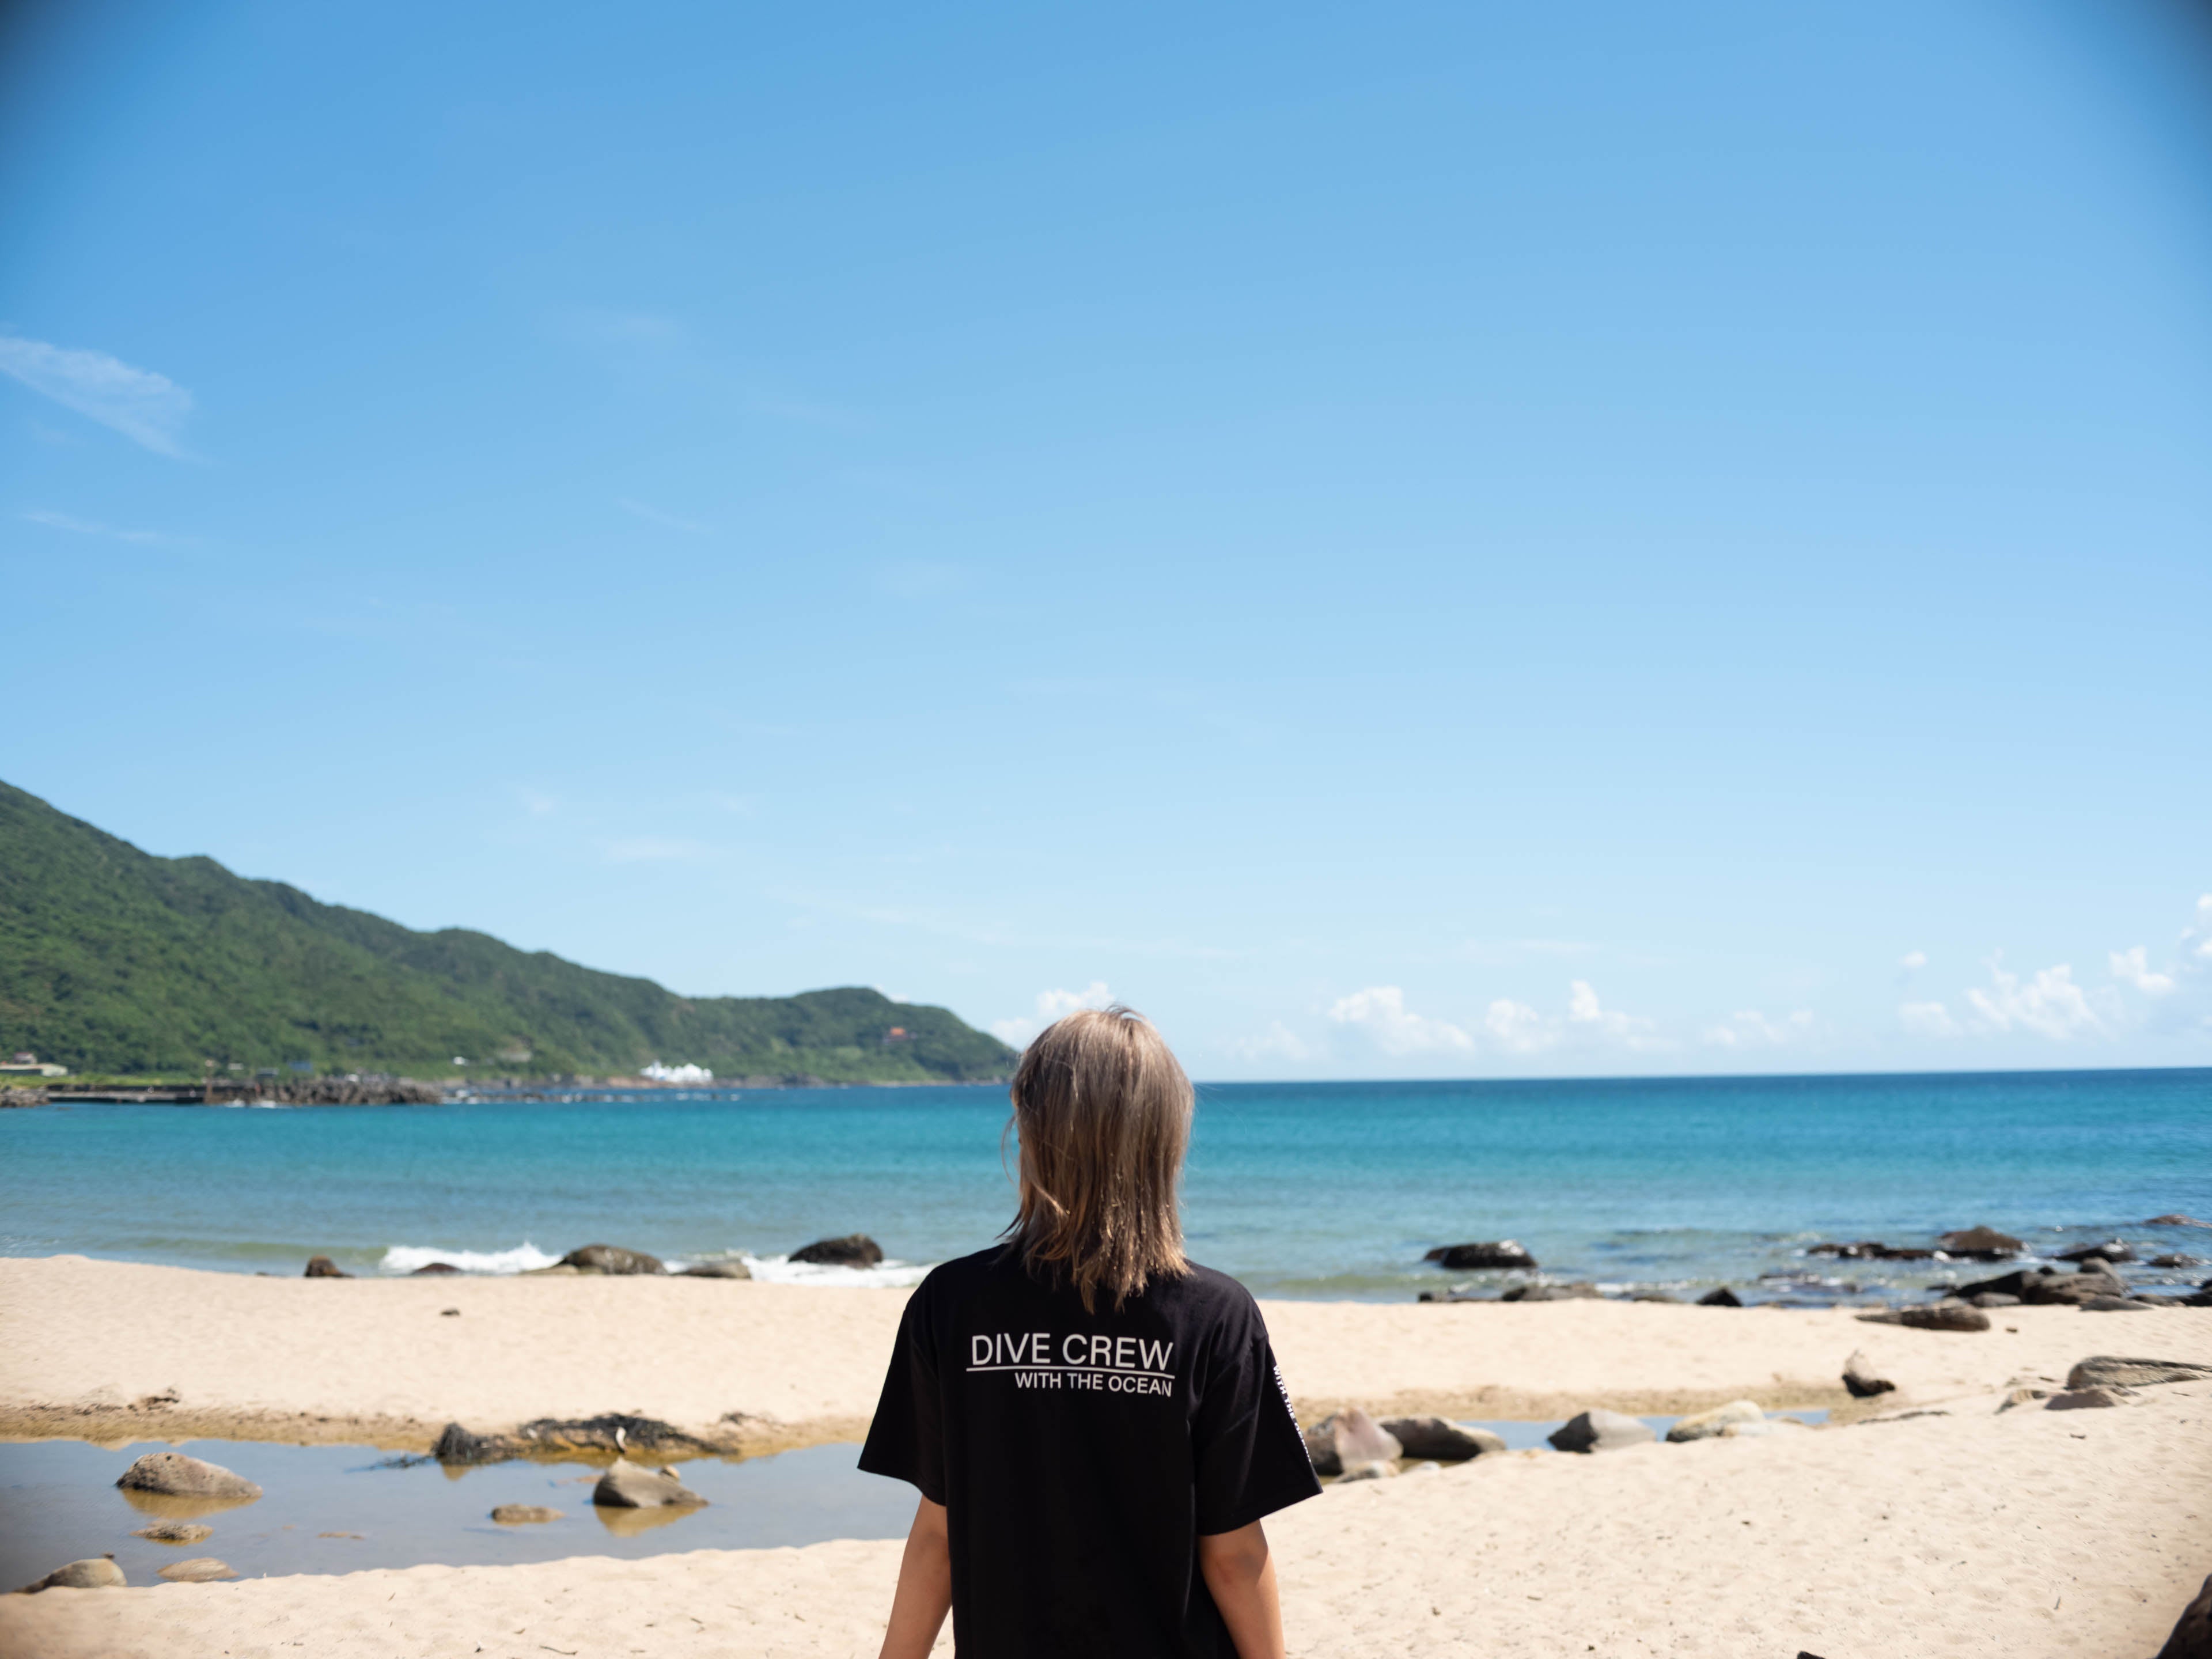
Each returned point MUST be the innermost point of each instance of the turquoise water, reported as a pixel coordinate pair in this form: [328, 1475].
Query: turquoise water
[1312, 1190]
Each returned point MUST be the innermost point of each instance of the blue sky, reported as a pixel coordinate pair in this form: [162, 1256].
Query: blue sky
[1457, 540]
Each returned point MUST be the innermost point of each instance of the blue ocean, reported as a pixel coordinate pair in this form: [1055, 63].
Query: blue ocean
[1330, 1190]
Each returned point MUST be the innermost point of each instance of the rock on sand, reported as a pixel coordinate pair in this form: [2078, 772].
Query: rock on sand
[1498, 1253]
[1432, 1437]
[1943, 1316]
[2106, 1371]
[175, 1475]
[853, 1250]
[629, 1485]
[321, 1267]
[95, 1572]
[2192, 1633]
[1859, 1378]
[717, 1270]
[611, 1258]
[1599, 1430]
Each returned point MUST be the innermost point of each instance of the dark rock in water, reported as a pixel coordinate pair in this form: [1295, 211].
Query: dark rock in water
[1598, 1429]
[1581, 1291]
[321, 1267]
[1432, 1437]
[1944, 1316]
[630, 1485]
[2176, 1221]
[2192, 1632]
[1500, 1253]
[1979, 1244]
[95, 1572]
[853, 1250]
[434, 1270]
[201, 1570]
[175, 1531]
[524, 1515]
[1993, 1299]
[611, 1258]
[2047, 1287]
[615, 1432]
[2114, 1305]
[2112, 1250]
[173, 1474]
[1871, 1249]
[2177, 1261]
[1860, 1380]
[717, 1270]
[1721, 1298]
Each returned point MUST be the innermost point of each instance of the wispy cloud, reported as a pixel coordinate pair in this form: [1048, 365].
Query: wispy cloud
[2049, 1004]
[2133, 968]
[1912, 960]
[1380, 1013]
[77, 526]
[655, 516]
[1748, 1027]
[147, 408]
[1051, 1005]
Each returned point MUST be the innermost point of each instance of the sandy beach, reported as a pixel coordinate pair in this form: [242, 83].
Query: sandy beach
[1970, 1531]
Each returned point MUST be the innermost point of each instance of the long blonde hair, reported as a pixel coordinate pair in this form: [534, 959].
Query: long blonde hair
[1103, 1109]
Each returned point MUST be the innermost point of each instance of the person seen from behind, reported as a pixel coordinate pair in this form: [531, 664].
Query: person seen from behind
[1095, 1422]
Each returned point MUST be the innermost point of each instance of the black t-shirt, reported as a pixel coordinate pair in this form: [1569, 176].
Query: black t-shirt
[1080, 1456]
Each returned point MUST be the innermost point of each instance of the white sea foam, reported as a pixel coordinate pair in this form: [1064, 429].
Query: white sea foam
[406, 1258]
[782, 1270]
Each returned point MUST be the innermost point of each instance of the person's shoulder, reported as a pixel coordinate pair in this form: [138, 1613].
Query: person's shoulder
[962, 1273]
[1212, 1294]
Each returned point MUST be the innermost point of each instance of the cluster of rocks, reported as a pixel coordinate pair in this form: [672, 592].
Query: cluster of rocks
[563, 1437]
[12, 1096]
[171, 1475]
[1349, 1445]
[853, 1250]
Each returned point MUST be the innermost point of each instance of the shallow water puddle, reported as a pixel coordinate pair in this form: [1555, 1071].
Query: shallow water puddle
[339, 1508]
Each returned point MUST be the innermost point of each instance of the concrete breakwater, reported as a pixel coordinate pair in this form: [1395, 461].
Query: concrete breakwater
[302, 1092]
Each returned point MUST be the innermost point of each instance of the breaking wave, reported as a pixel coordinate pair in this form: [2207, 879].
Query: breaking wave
[782, 1270]
[406, 1258]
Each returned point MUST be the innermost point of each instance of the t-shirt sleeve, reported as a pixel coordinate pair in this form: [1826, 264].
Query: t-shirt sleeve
[1248, 1456]
[906, 1441]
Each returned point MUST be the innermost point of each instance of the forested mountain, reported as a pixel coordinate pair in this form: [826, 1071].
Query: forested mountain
[115, 961]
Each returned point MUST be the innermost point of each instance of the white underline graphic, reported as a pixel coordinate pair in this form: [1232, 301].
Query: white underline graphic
[1096, 1370]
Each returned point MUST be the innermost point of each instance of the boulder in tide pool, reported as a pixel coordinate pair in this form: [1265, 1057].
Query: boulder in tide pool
[717, 1270]
[1599, 1430]
[321, 1267]
[1433, 1436]
[1979, 1244]
[95, 1572]
[629, 1485]
[201, 1570]
[524, 1515]
[611, 1258]
[175, 1531]
[853, 1250]
[175, 1475]
[1498, 1253]
[1706, 1425]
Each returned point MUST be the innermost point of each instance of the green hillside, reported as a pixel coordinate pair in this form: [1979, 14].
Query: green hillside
[114, 961]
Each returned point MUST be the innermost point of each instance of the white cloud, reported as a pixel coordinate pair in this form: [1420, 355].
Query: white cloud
[77, 526]
[144, 407]
[2051, 1004]
[1380, 1011]
[1928, 1020]
[1748, 1027]
[1050, 1006]
[2133, 968]
[1518, 1028]
[1277, 1041]
[1585, 1014]
[2197, 938]
[1912, 959]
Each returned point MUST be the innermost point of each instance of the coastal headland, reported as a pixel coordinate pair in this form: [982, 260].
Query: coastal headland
[1925, 1521]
